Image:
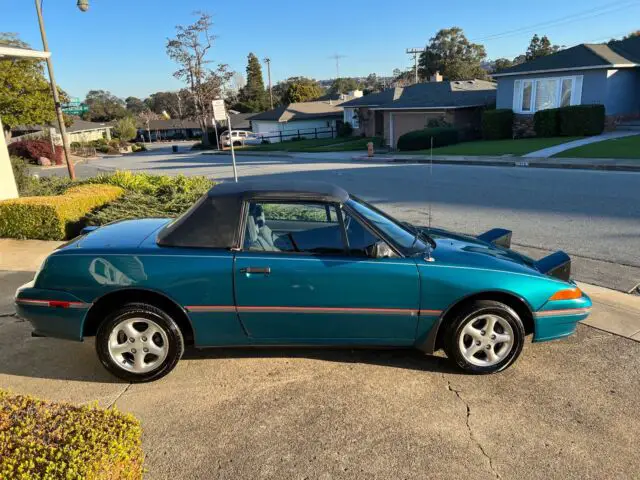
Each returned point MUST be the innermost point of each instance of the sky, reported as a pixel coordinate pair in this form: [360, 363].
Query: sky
[119, 45]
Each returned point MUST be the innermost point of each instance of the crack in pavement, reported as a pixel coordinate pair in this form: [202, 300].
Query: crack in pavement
[471, 434]
[119, 395]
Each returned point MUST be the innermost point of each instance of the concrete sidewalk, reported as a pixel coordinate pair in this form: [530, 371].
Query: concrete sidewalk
[551, 151]
[613, 164]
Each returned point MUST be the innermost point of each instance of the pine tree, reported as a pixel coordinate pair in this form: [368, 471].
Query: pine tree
[253, 97]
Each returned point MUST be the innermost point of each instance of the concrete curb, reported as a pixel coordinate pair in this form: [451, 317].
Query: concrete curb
[517, 162]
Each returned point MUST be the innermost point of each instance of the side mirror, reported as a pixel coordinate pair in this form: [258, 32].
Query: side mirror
[380, 249]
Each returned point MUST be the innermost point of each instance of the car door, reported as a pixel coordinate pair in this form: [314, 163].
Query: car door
[296, 280]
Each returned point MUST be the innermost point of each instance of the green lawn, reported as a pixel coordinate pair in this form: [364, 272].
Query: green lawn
[352, 144]
[310, 145]
[627, 147]
[498, 147]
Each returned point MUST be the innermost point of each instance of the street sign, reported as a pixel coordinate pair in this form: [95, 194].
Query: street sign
[74, 109]
[219, 112]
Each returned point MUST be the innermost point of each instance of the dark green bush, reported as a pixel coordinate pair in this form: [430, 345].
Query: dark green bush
[546, 122]
[581, 120]
[48, 440]
[345, 130]
[437, 122]
[421, 139]
[497, 124]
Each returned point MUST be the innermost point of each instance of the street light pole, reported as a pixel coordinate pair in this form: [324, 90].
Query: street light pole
[54, 89]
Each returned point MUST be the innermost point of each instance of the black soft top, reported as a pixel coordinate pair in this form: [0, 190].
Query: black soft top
[214, 220]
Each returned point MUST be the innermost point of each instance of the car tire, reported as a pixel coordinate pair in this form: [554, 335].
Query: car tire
[484, 337]
[139, 343]
[237, 144]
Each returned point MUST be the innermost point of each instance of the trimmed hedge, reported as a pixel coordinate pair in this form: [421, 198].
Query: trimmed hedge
[497, 124]
[580, 120]
[52, 217]
[546, 123]
[40, 439]
[421, 139]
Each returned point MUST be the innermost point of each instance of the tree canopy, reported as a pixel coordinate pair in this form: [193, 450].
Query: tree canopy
[189, 49]
[253, 96]
[344, 85]
[453, 55]
[103, 106]
[296, 89]
[135, 106]
[25, 93]
[540, 47]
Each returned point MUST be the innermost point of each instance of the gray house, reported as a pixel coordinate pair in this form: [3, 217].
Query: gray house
[396, 111]
[606, 74]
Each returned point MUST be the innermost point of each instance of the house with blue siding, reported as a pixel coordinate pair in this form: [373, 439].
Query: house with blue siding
[606, 74]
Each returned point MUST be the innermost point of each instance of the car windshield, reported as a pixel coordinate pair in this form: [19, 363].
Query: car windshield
[388, 226]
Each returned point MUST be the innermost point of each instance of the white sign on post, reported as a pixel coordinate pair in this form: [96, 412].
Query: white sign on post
[219, 112]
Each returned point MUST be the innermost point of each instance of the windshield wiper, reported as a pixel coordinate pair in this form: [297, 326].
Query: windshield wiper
[420, 234]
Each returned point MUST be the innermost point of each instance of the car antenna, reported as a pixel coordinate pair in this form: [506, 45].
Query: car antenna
[430, 177]
[430, 258]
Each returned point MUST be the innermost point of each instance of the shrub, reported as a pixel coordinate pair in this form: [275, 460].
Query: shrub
[99, 142]
[345, 130]
[497, 124]
[546, 124]
[125, 129]
[21, 174]
[579, 120]
[437, 122]
[34, 149]
[52, 217]
[421, 139]
[139, 147]
[40, 439]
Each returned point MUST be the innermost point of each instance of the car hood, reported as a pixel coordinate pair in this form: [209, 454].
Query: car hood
[122, 234]
[464, 250]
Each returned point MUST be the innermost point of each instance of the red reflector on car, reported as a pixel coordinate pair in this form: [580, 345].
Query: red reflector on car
[59, 304]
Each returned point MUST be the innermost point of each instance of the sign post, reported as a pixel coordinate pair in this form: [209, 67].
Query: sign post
[220, 113]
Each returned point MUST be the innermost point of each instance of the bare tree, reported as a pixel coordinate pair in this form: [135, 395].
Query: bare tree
[189, 50]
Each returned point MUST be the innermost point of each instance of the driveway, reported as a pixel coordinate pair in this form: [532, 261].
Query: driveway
[567, 409]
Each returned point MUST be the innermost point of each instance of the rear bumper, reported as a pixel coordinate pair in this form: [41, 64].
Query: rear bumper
[51, 313]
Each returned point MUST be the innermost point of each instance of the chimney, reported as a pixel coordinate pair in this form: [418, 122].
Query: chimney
[436, 77]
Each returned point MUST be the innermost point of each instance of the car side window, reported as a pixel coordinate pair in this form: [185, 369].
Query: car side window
[360, 239]
[310, 228]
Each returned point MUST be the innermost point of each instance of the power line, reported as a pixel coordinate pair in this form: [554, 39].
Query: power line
[575, 17]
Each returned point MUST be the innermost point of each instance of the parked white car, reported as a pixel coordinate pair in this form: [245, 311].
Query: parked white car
[239, 137]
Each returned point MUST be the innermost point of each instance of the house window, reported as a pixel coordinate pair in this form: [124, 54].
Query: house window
[537, 94]
[565, 94]
[527, 95]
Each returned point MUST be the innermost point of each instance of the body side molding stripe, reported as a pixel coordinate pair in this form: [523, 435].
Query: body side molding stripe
[271, 309]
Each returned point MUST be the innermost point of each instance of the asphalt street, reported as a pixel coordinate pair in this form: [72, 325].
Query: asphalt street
[594, 216]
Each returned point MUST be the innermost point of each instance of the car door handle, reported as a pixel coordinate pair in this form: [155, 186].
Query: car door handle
[263, 270]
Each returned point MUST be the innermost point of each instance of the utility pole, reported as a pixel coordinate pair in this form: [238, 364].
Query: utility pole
[267, 60]
[337, 57]
[83, 5]
[415, 52]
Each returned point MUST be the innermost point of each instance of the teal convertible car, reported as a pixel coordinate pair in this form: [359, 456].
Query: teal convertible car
[306, 264]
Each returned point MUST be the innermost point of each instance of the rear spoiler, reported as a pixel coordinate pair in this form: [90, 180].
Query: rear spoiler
[497, 236]
[556, 265]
